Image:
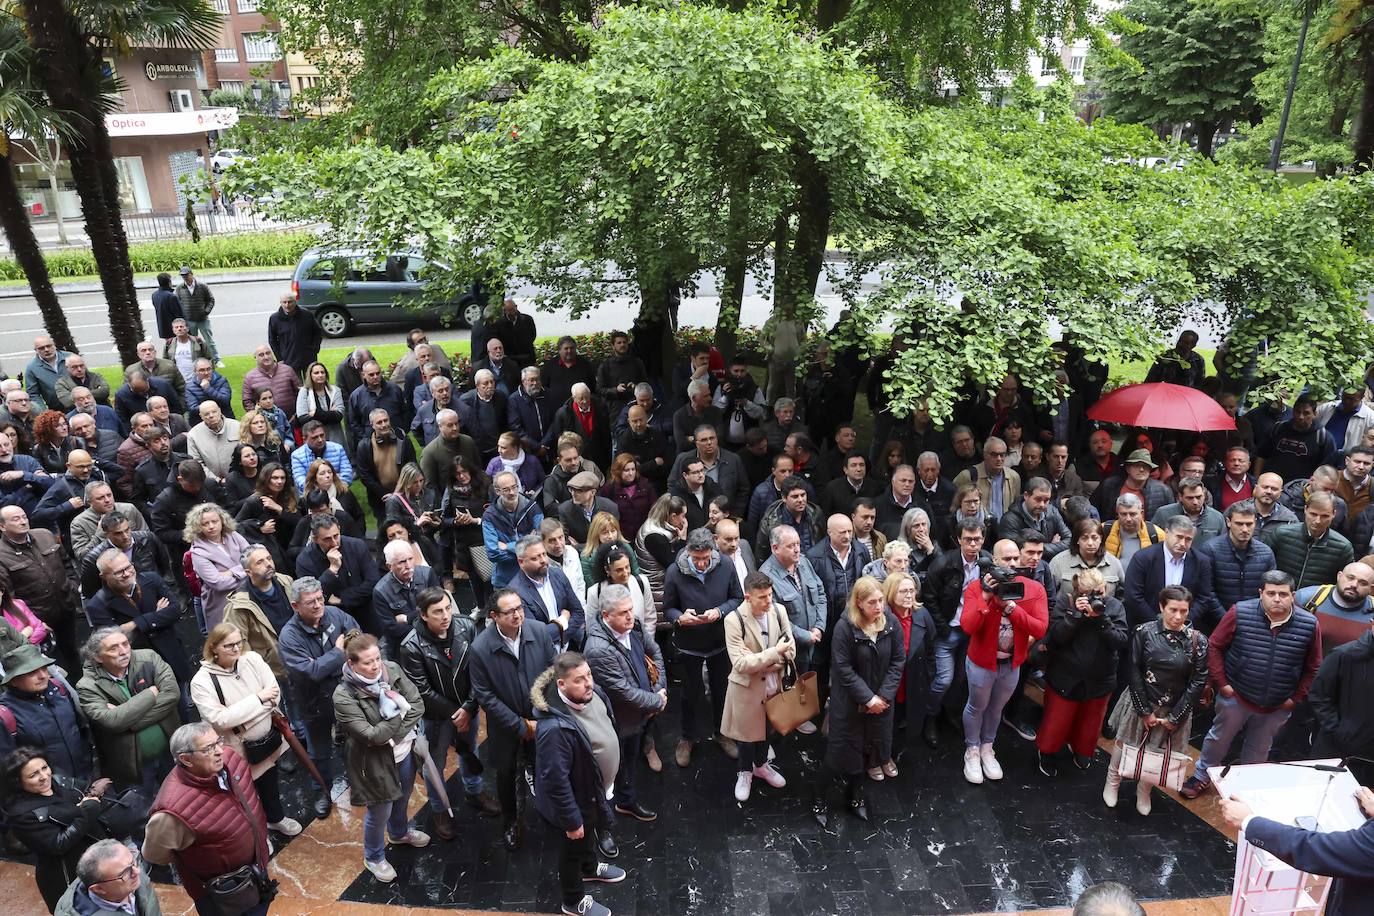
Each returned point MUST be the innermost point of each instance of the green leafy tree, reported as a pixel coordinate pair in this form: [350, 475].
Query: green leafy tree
[1187, 61]
[1351, 37]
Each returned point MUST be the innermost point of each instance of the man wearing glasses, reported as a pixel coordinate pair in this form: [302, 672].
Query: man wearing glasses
[208, 820]
[997, 484]
[109, 878]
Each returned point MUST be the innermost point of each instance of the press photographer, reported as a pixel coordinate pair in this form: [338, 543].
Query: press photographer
[1003, 614]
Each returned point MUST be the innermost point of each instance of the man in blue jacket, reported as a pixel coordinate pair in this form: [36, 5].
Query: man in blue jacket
[310, 647]
[39, 709]
[22, 479]
[1347, 856]
[1238, 558]
[509, 518]
[507, 657]
[548, 596]
[345, 568]
[1173, 562]
[578, 757]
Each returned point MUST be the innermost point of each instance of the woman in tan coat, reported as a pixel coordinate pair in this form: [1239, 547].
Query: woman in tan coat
[758, 638]
[237, 693]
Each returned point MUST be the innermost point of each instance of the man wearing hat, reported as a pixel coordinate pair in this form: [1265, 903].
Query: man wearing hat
[576, 512]
[1134, 478]
[1347, 418]
[197, 302]
[39, 709]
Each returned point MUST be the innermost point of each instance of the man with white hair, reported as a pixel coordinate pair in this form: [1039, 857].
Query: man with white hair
[505, 368]
[43, 371]
[213, 441]
[379, 459]
[425, 426]
[393, 597]
[585, 415]
[694, 413]
[529, 414]
[482, 412]
[84, 402]
[436, 459]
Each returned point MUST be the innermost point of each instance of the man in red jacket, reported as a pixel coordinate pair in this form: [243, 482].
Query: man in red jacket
[1003, 614]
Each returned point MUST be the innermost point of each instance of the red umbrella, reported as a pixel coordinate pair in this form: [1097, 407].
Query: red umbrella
[1161, 405]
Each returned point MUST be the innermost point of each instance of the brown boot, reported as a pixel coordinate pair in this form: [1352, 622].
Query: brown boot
[651, 755]
[683, 753]
[443, 825]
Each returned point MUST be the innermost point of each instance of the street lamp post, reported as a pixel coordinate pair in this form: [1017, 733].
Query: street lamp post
[1276, 151]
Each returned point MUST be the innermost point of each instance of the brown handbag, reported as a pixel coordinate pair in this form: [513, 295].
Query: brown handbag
[798, 701]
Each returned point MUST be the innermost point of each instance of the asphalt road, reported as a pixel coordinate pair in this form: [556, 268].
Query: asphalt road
[242, 310]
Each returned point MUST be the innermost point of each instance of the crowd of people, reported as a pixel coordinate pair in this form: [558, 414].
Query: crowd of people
[548, 546]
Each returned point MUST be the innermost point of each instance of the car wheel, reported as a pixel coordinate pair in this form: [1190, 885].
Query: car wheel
[334, 322]
[469, 313]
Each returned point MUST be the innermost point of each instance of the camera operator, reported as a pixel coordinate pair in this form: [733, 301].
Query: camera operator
[741, 401]
[1087, 632]
[1003, 614]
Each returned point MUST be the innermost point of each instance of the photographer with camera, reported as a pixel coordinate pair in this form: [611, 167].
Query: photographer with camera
[1087, 632]
[1003, 614]
[741, 401]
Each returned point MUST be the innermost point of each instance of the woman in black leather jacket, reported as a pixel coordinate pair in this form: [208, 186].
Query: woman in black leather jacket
[1166, 676]
[52, 817]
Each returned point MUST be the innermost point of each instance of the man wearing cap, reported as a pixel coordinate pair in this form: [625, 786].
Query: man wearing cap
[39, 709]
[576, 512]
[197, 302]
[1347, 418]
[1133, 478]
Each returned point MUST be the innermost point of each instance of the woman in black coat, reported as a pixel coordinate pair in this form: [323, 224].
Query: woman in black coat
[866, 664]
[269, 517]
[244, 468]
[902, 594]
[52, 817]
[1086, 635]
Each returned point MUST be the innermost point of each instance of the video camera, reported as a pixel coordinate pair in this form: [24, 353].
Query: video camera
[1005, 585]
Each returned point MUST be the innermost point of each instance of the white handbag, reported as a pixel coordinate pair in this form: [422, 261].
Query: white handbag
[1155, 766]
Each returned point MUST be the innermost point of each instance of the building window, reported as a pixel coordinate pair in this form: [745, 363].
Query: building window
[221, 6]
[247, 6]
[226, 55]
[1047, 66]
[232, 86]
[1076, 64]
[260, 47]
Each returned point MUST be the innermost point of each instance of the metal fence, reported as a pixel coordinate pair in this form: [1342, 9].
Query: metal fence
[155, 225]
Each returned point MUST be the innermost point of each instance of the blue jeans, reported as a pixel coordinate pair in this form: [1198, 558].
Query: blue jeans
[947, 650]
[202, 329]
[1233, 716]
[988, 692]
[442, 735]
[389, 817]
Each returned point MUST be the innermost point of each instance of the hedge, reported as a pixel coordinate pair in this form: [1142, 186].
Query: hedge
[597, 346]
[262, 249]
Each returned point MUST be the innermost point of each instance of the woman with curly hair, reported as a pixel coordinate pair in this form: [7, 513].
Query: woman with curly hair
[216, 551]
[52, 441]
[257, 429]
[244, 468]
[322, 476]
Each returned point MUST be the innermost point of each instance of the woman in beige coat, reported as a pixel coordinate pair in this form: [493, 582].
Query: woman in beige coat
[758, 638]
[237, 693]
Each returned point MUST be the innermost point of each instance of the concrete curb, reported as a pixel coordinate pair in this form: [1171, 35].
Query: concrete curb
[142, 283]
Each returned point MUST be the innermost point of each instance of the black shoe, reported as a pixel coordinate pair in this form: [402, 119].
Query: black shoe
[511, 837]
[819, 812]
[1047, 765]
[857, 806]
[484, 804]
[1024, 729]
[1083, 763]
[322, 806]
[637, 811]
[606, 843]
[930, 732]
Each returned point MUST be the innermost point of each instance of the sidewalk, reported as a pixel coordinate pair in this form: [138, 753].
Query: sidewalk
[243, 276]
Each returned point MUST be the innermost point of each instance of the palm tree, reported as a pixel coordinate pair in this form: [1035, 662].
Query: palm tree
[23, 110]
[69, 42]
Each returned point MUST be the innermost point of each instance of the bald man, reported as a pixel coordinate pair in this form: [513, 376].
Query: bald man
[66, 497]
[43, 371]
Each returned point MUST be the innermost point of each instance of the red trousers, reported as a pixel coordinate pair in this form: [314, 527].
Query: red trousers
[1078, 722]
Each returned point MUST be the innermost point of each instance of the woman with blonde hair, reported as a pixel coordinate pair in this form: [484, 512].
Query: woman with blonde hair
[378, 709]
[604, 529]
[866, 664]
[409, 504]
[216, 548]
[237, 693]
[256, 429]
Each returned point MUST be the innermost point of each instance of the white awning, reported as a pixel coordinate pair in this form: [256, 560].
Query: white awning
[169, 123]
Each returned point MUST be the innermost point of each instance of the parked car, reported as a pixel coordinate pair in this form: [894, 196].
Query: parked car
[345, 288]
[224, 158]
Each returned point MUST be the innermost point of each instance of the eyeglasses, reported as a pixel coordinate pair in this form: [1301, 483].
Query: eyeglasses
[127, 873]
[996, 454]
[209, 748]
[231, 645]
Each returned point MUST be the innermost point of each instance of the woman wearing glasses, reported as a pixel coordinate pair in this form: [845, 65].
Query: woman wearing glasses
[237, 693]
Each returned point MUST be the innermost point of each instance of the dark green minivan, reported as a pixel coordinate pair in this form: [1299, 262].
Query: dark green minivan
[343, 288]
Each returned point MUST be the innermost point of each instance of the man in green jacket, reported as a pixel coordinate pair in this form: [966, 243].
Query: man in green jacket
[1309, 550]
[130, 697]
[110, 879]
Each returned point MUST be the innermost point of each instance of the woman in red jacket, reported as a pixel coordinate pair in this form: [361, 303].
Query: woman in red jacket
[1001, 630]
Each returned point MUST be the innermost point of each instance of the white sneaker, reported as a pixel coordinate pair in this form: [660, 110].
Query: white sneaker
[973, 766]
[743, 782]
[382, 870]
[219, 364]
[286, 827]
[991, 768]
[806, 728]
[770, 776]
[416, 838]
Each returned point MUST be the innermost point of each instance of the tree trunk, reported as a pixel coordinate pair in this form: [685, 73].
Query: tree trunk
[1206, 136]
[29, 255]
[69, 71]
[1364, 117]
[735, 270]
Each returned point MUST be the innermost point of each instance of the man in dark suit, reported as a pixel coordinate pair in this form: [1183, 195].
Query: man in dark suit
[722, 466]
[548, 596]
[933, 493]
[505, 369]
[734, 552]
[1347, 856]
[851, 484]
[345, 568]
[1173, 562]
[133, 395]
[696, 490]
